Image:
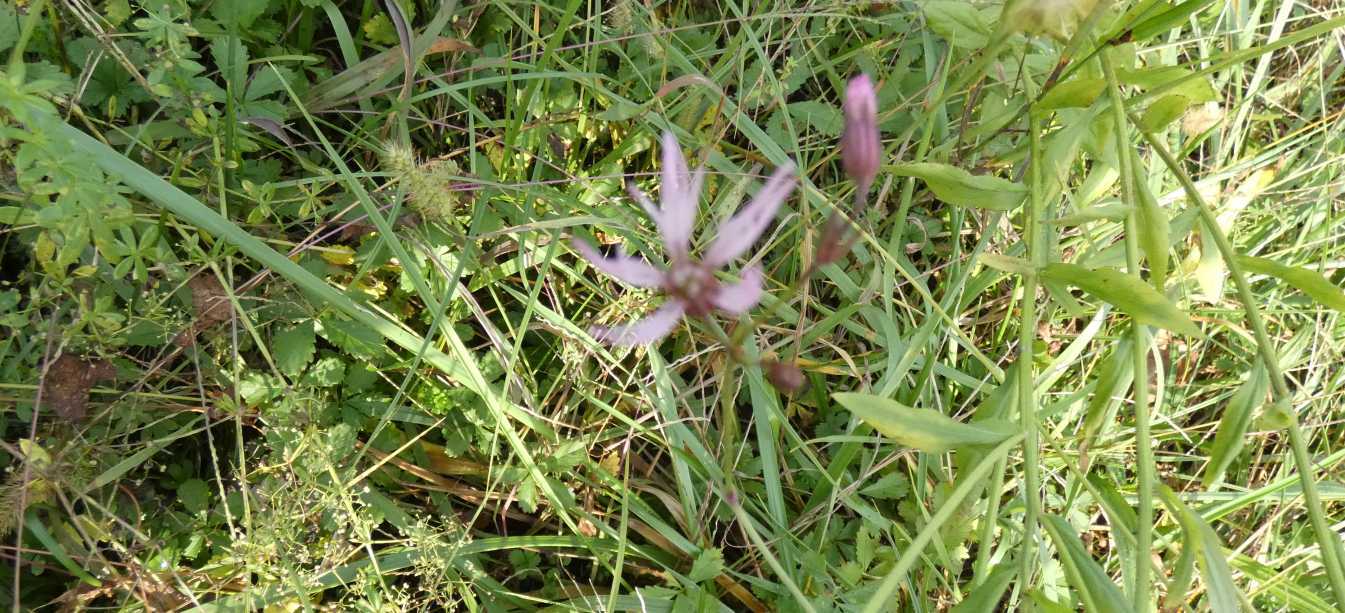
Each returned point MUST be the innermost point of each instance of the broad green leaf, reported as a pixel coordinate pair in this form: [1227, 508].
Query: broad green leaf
[956, 186]
[1095, 589]
[1233, 425]
[1309, 282]
[1127, 293]
[1194, 89]
[959, 23]
[1075, 93]
[1164, 111]
[194, 495]
[293, 348]
[923, 429]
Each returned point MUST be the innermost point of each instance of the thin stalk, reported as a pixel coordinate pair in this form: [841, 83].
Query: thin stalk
[765, 551]
[1027, 340]
[986, 539]
[1141, 591]
[1326, 538]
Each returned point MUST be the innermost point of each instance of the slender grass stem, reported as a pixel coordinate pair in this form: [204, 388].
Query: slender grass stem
[1141, 591]
[1027, 340]
[1329, 541]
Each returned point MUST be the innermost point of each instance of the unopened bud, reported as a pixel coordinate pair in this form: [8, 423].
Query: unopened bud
[860, 149]
[834, 242]
[784, 377]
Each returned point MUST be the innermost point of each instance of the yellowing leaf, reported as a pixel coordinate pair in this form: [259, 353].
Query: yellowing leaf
[956, 186]
[1127, 293]
[923, 429]
[338, 256]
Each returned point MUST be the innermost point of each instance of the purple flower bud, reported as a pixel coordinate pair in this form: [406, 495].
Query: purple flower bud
[860, 149]
[787, 378]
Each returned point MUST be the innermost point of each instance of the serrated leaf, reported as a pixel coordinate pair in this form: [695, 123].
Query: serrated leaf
[293, 348]
[959, 23]
[1127, 293]
[1077, 93]
[708, 565]
[1309, 282]
[890, 487]
[956, 186]
[821, 117]
[238, 12]
[923, 429]
[1233, 425]
[326, 372]
[357, 340]
[232, 59]
[1095, 589]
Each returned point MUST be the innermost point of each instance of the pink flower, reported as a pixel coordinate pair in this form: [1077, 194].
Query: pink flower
[690, 285]
[861, 152]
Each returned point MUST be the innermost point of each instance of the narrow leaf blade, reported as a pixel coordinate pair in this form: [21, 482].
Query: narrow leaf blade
[956, 186]
[1127, 293]
[923, 429]
[1309, 282]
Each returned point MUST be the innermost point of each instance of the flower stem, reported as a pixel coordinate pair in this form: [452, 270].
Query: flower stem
[1141, 591]
[1326, 538]
[1027, 340]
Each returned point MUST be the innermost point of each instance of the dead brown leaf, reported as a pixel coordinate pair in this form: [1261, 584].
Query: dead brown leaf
[66, 385]
[209, 300]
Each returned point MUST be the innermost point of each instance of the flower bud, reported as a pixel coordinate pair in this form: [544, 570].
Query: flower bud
[860, 149]
[787, 378]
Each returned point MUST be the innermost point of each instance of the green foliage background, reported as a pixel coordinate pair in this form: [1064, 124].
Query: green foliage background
[326, 341]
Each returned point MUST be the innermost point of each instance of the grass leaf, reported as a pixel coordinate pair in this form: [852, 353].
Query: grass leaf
[1095, 589]
[1309, 282]
[956, 186]
[923, 429]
